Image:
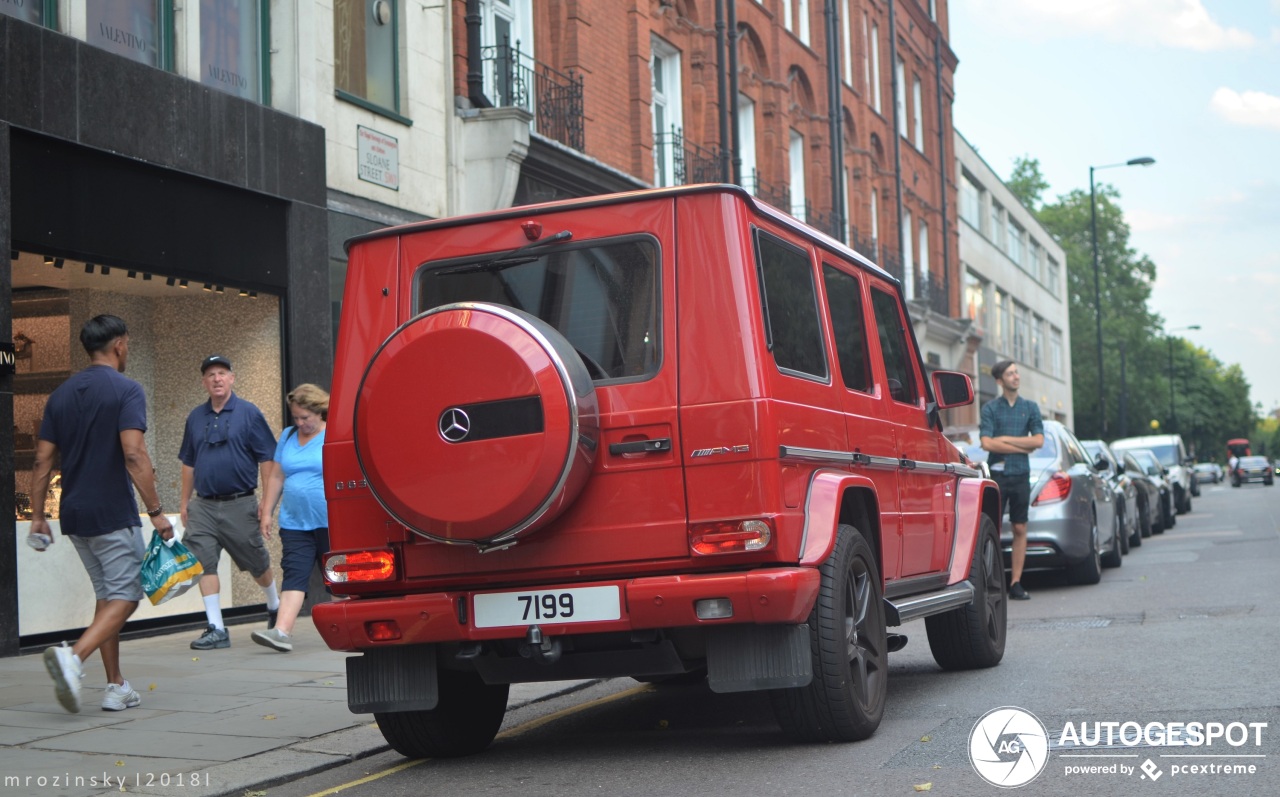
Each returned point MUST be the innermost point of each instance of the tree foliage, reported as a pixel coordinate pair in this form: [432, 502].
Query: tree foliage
[1027, 183]
[1209, 402]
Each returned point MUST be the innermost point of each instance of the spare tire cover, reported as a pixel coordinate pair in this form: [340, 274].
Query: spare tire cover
[475, 423]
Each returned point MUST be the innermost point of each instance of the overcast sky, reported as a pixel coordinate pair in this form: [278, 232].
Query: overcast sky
[1194, 84]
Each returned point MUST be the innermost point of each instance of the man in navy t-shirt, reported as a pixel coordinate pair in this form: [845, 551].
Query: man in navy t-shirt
[225, 445]
[96, 420]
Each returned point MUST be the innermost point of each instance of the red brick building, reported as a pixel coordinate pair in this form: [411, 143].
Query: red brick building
[628, 93]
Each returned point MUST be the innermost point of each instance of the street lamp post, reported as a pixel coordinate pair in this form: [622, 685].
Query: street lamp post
[1173, 415]
[1097, 282]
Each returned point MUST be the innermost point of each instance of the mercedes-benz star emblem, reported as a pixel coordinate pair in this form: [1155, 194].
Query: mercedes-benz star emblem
[455, 425]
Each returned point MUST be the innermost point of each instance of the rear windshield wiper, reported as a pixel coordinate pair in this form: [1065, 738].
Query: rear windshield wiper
[514, 257]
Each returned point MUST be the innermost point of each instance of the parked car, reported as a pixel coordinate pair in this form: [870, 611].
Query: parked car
[1122, 484]
[1171, 452]
[1157, 476]
[678, 431]
[1150, 497]
[1072, 524]
[1253, 469]
[1208, 473]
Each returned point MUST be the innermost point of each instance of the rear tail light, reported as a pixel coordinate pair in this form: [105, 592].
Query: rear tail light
[1058, 489]
[733, 536]
[382, 630]
[342, 568]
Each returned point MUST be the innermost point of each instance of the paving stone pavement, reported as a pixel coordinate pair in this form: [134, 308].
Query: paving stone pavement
[211, 723]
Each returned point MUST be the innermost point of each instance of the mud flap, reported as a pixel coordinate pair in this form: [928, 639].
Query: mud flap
[749, 658]
[393, 679]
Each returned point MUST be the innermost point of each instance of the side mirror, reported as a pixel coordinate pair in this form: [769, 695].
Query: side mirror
[1101, 465]
[952, 389]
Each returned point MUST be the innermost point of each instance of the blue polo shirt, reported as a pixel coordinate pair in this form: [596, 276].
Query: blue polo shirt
[1002, 419]
[226, 447]
[84, 417]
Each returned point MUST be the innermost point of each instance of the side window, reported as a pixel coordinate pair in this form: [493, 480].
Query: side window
[893, 346]
[790, 306]
[844, 295]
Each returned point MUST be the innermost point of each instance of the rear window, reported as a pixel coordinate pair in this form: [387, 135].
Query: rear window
[1168, 454]
[602, 296]
[1048, 451]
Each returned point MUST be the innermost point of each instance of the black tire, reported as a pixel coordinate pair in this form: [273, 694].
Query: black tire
[1170, 513]
[1180, 501]
[1143, 528]
[464, 722]
[845, 700]
[973, 636]
[1089, 569]
[1115, 556]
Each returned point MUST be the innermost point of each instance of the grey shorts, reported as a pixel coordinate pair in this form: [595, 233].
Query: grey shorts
[231, 526]
[114, 563]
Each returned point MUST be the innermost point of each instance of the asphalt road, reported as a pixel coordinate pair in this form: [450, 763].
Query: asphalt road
[1184, 632]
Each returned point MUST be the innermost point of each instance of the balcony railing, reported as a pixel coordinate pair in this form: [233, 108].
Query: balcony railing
[513, 78]
[680, 162]
[777, 195]
[867, 247]
[825, 220]
[931, 289]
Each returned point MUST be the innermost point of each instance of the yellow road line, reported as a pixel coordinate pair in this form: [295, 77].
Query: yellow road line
[507, 734]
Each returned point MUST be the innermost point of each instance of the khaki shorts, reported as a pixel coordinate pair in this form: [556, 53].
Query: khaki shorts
[231, 526]
[114, 563]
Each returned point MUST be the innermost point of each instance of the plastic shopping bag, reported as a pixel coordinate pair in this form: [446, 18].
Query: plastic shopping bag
[169, 569]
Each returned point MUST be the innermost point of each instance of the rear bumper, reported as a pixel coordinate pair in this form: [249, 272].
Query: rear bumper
[763, 597]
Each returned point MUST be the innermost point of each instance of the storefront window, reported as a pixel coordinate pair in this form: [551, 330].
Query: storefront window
[41, 12]
[365, 63]
[231, 47]
[132, 28]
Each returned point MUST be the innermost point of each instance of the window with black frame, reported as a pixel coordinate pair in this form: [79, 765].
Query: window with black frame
[602, 296]
[894, 349]
[848, 324]
[790, 304]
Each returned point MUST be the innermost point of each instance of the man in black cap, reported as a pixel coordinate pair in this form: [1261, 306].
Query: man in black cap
[225, 445]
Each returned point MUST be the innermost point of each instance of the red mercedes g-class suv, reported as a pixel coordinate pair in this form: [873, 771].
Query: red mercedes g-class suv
[656, 434]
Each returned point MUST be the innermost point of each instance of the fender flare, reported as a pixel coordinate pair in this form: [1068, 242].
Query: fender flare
[975, 497]
[822, 513]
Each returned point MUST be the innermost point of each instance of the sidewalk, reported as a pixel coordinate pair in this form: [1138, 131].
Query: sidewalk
[233, 720]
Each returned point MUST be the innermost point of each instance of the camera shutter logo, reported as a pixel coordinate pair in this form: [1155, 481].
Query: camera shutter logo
[455, 425]
[1009, 747]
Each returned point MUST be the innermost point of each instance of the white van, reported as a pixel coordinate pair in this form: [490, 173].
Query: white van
[1171, 452]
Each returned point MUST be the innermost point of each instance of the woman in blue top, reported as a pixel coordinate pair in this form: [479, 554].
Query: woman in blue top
[297, 484]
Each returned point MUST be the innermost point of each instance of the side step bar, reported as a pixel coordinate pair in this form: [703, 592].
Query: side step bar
[901, 610]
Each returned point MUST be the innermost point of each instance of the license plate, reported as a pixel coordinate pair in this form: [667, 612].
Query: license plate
[529, 607]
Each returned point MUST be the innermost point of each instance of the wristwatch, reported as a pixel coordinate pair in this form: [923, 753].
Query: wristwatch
[157, 512]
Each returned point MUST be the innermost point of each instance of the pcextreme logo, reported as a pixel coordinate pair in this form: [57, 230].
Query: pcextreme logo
[1009, 747]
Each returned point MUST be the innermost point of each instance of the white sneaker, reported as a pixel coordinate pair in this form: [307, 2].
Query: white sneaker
[119, 697]
[273, 638]
[66, 673]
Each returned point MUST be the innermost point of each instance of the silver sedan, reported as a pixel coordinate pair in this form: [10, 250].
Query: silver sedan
[1072, 524]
